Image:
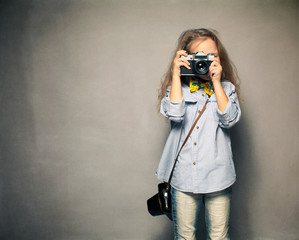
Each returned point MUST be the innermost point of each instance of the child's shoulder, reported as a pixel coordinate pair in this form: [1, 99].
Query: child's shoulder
[228, 86]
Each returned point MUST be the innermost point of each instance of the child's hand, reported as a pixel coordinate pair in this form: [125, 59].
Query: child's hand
[215, 70]
[178, 62]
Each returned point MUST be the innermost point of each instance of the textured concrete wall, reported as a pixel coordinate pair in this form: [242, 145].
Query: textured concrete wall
[80, 135]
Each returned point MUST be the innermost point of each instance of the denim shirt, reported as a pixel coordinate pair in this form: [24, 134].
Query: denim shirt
[205, 163]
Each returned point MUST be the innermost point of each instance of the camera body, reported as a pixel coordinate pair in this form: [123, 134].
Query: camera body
[199, 64]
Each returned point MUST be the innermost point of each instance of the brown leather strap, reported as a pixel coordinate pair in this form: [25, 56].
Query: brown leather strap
[186, 139]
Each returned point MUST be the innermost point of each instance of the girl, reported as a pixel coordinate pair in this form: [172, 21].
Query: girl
[205, 171]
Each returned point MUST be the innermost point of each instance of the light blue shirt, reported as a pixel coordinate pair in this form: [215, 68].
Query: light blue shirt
[205, 163]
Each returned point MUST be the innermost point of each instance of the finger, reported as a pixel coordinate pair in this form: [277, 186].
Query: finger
[185, 65]
[215, 66]
[214, 72]
[216, 59]
[184, 60]
[214, 63]
[180, 53]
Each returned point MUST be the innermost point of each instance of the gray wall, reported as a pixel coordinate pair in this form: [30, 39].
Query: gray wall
[80, 134]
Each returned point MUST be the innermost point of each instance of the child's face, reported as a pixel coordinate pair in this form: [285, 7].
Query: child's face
[207, 46]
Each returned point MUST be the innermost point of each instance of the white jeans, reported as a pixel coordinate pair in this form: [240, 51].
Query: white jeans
[185, 212]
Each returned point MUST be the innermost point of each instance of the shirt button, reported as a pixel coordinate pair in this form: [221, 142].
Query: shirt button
[197, 127]
[203, 95]
[195, 143]
[194, 163]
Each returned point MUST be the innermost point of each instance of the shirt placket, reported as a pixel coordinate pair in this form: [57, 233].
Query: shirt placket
[195, 144]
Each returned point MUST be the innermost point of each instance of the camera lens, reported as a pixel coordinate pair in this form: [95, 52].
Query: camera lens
[201, 67]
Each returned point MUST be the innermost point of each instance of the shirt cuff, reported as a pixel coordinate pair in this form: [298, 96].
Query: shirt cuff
[229, 116]
[175, 110]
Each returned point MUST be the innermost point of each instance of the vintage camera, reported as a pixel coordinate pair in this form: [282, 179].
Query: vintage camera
[199, 63]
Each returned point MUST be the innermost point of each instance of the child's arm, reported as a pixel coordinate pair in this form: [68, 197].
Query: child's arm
[176, 86]
[215, 74]
[174, 111]
[229, 111]
[221, 97]
[232, 112]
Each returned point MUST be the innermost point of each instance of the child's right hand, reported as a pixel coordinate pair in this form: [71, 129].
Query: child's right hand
[178, 62]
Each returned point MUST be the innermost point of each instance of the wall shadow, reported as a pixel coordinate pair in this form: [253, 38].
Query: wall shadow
[27, 211]
[243, 188]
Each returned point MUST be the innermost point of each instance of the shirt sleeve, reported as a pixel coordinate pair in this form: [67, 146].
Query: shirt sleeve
[174, 111]
[232, 112]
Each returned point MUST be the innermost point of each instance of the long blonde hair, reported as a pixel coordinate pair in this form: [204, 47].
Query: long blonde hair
[229, 71]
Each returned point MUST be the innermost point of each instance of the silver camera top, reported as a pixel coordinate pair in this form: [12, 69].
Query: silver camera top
[210, 56]
[200, 54]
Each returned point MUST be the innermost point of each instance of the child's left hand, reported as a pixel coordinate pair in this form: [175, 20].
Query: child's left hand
[215, 70]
